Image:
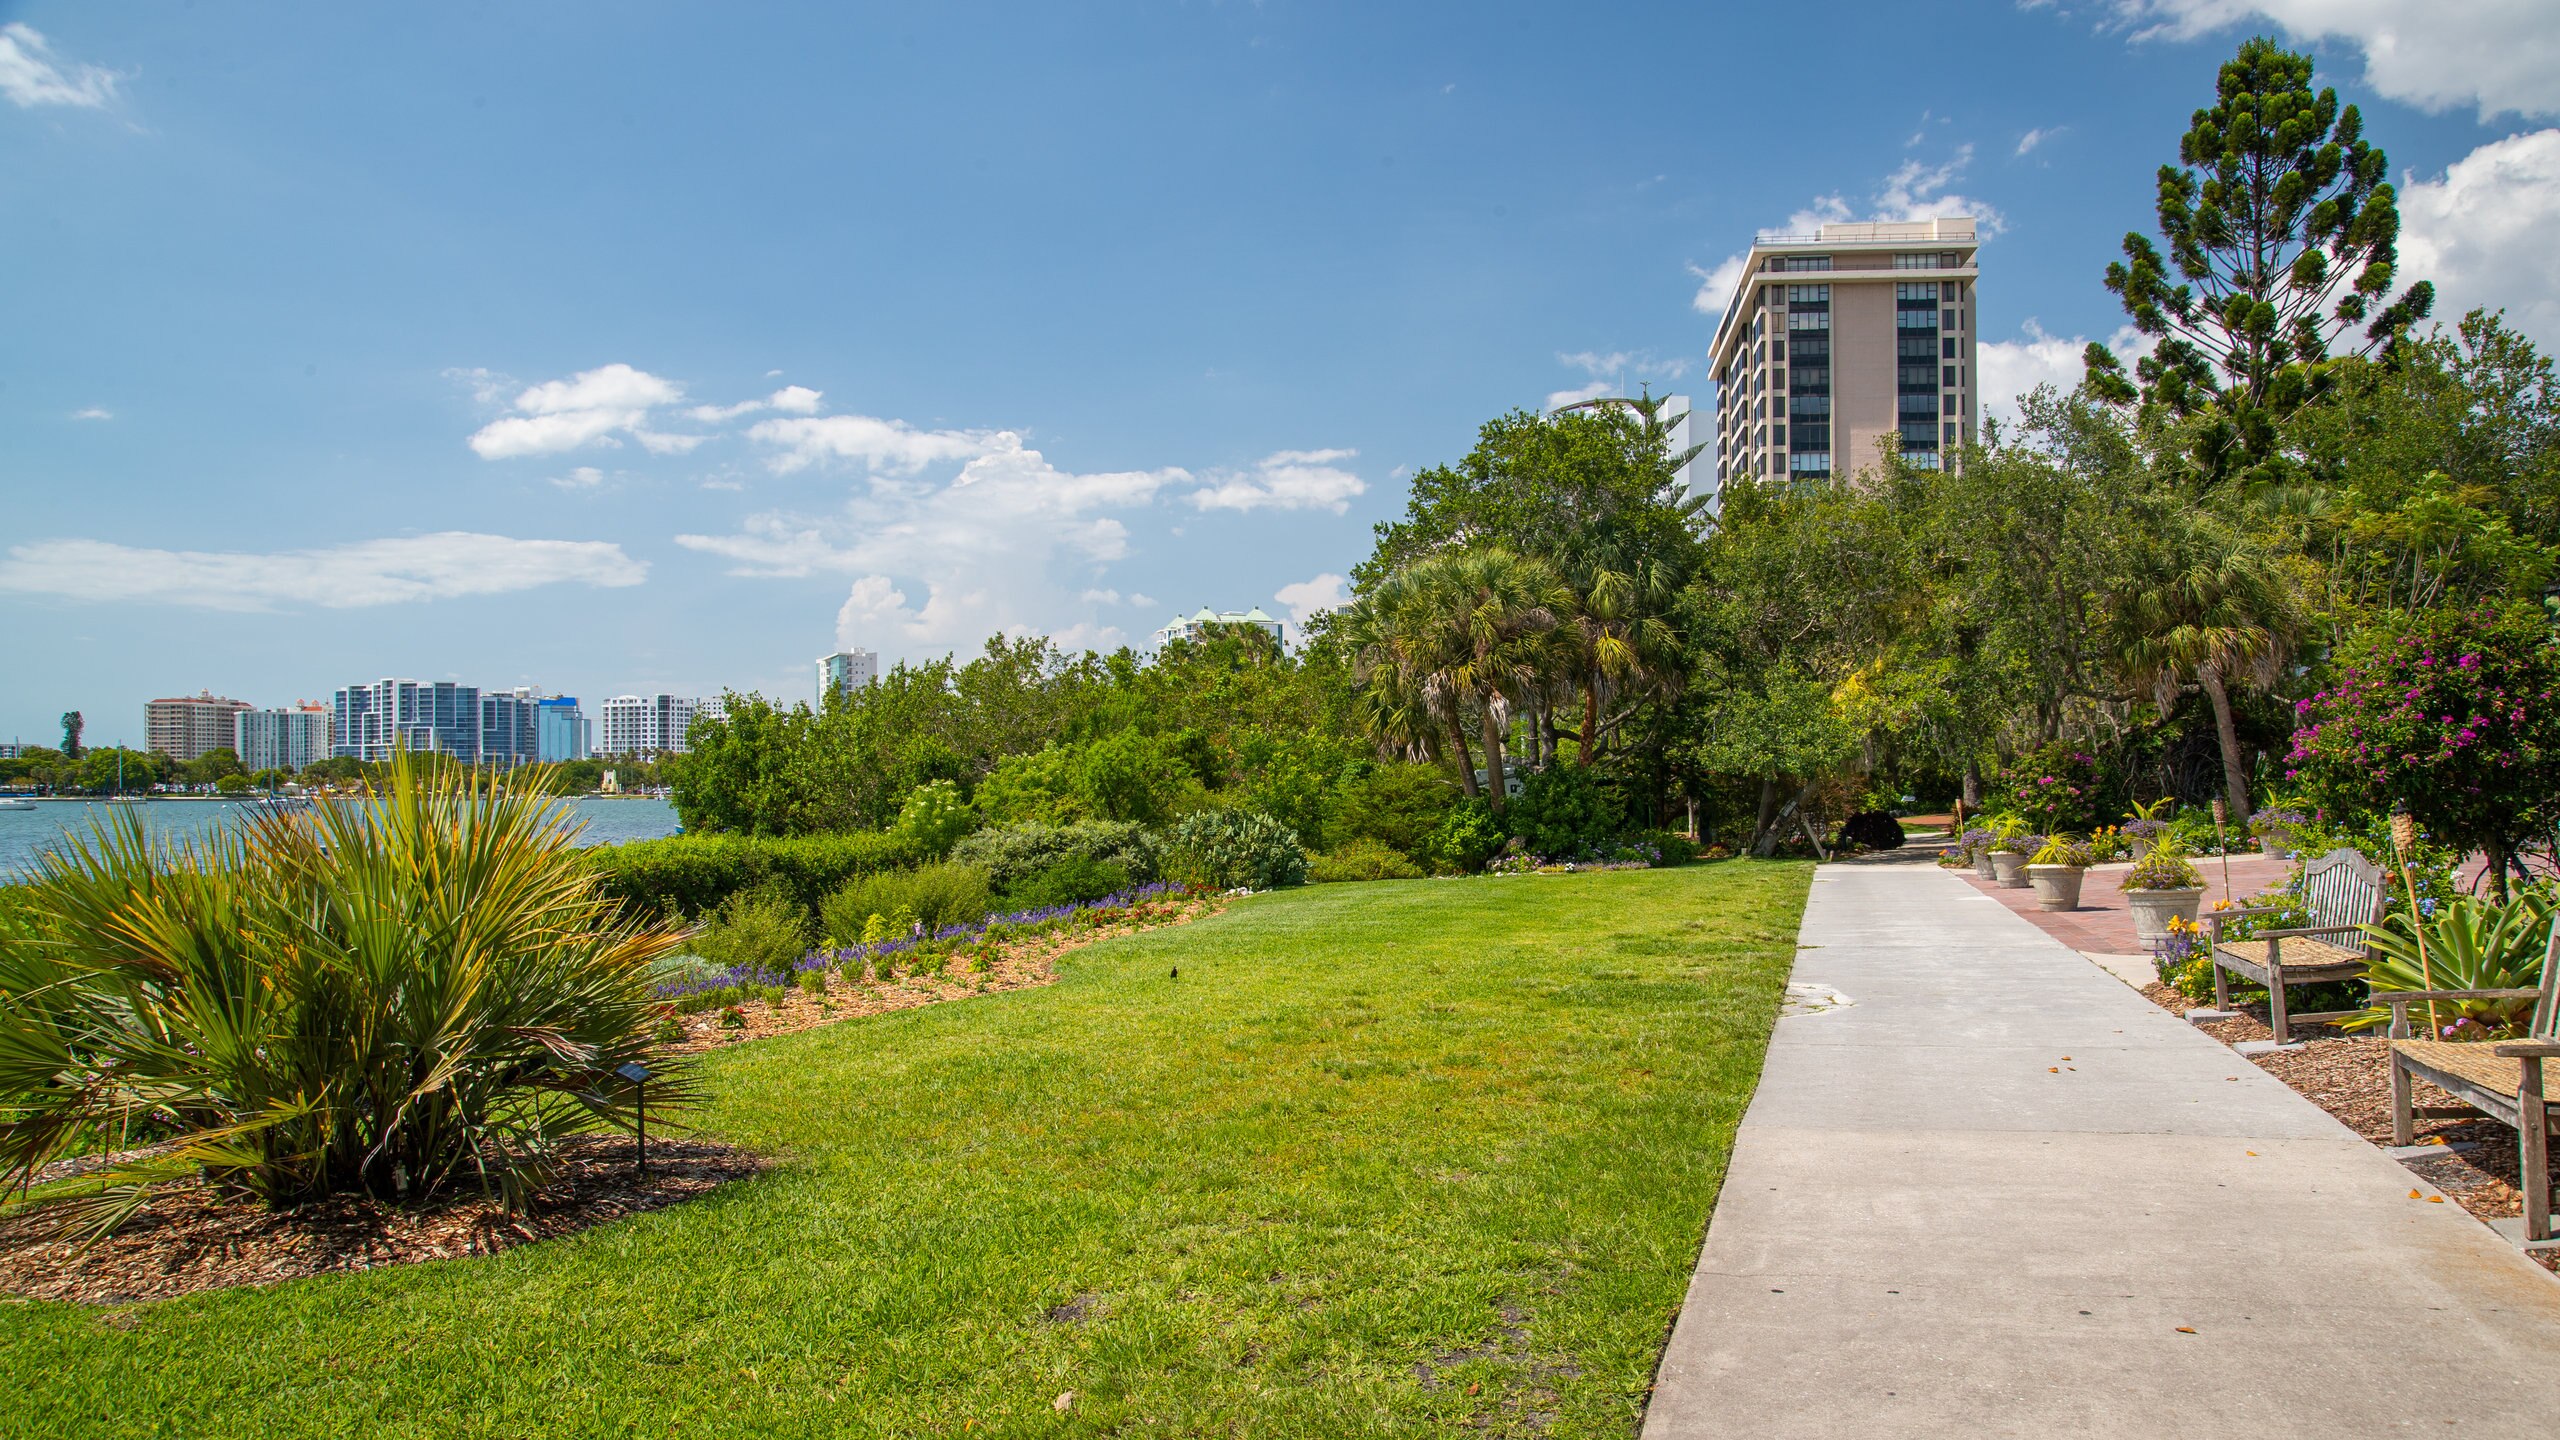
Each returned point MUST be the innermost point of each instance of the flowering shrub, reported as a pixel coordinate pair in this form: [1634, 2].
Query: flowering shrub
[2053, 788]
[2456, 718]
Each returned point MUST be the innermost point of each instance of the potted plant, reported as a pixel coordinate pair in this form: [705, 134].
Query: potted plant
[2011, 845]
[2161, 887]
[2278, 829]
[2056, 870]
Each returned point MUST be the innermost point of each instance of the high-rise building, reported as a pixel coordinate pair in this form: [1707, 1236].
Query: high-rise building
[844, 671]
[282, 739]
[561, 731]
[1836, 342]
[652, 724]
[370, 722]
[189, 727]
[510, 732]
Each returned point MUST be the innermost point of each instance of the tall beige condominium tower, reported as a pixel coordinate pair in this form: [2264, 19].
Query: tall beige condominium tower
[187, 727]
[1835, 342]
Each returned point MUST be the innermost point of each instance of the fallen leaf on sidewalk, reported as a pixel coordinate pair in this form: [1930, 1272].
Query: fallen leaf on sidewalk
[2186, 1329]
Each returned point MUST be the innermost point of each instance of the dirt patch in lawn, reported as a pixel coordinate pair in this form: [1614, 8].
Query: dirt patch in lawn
[191, 1238]
[1021, 964]
[2350, 1077]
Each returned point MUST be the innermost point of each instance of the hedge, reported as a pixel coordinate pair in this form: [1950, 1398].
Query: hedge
[691, 875]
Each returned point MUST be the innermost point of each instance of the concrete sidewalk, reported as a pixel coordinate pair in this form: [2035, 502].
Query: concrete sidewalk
[1998, 1193]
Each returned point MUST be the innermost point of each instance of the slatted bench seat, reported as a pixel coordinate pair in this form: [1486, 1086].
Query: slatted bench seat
[2343, 891]
[2499, 1079]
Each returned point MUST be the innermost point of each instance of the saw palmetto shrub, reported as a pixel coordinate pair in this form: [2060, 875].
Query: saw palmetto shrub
[416, 993]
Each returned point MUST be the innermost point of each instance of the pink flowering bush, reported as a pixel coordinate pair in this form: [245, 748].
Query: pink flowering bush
[2455, 718]
[2054, 787]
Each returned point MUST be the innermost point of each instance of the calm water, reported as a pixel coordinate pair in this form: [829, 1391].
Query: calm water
[25, 834]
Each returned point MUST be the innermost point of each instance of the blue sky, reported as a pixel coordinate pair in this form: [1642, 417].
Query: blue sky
[641, 347]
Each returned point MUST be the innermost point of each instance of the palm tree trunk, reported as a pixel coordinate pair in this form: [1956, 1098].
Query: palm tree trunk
[1590, 716]
[1466, 762]
[1495, 787]
[2235, 783]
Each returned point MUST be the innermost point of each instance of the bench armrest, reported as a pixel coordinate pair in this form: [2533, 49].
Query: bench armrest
[2526, 1049]
[2398, 998]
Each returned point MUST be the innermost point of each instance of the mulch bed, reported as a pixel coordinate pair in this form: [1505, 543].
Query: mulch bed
[1014, 965]
[193, 1239]
[2350, 1077]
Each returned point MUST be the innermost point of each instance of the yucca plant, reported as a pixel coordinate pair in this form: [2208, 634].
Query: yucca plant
[2471, 944]
[397, 996]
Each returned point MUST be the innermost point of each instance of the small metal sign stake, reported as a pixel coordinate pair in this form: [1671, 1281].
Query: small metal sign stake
[638, 1075]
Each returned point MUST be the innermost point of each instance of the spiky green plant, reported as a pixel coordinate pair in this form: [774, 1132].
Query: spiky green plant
[397, 996]
[2471, 944]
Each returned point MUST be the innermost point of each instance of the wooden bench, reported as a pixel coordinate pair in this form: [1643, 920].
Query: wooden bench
[2343, 891]
[2500, 1079]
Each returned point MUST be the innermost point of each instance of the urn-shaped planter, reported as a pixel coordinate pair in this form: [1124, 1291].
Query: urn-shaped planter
[2154, 909]
[2057, 886]
[2009, 869]
[1982, 865]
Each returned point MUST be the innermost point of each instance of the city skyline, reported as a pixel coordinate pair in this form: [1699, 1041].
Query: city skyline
[668, 354]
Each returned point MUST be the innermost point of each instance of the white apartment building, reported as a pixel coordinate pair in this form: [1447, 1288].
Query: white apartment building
[652, 724]
[281, 739]
[844, 671]
[1835, 343]
[1192, 626]
[190, 727]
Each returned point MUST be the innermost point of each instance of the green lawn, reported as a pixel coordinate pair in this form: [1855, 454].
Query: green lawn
[1470, 1125]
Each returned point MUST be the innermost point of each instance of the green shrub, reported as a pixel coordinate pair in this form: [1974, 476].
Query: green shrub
[1400, 806]
[1071, 881]
[1013, 853]
[813, 982]
[1235, 849]
[1673, 847]
[758, 932]
[694, 875]
[949, 893]
[933, 819]
[1467, 837]
[270, 996]
[1361, 860]
[1564, 813]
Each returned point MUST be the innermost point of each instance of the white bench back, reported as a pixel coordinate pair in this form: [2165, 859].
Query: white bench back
[2343, 888]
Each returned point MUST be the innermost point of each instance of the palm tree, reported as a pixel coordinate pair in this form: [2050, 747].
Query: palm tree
[1485, 626]
[2211, 611]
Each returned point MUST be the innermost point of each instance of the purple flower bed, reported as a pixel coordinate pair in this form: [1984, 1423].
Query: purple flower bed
[741, 977]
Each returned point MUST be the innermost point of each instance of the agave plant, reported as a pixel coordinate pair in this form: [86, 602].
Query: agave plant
[396, 996]
[2471, 944]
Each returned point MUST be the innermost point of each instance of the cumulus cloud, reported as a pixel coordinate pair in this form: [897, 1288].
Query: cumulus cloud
[584, 477]
[2498, 56]
[1916, 190]
[593, 407]
[1309, 598]
[2483, 232]
[370, 572]
[2007, 370]
[1613, 372]
[891, 447]
[30, 75]
[1285, 480]
[1558, 399]
[1100, 597]
[790, 400]
[94, 412]
[1716, 286]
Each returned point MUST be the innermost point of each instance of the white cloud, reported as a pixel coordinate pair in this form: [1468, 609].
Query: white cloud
[884, 446]
[1614, 372]
[1916, 190]
[1558, 399]
[584, 477]
[2495, 55]
[94, 412]
[1716, 287]
[790, 400]
[370, 572]
[1101, 597]
[1308, 598]
[2033, 138]
[588, 408]
[2483, 232]
[30, 75]
[1142, 602]
[2008, 369]
[1286, 480]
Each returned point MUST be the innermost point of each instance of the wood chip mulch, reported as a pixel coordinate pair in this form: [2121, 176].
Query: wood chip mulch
[2350, 1077]
[192, 1239]
[1014, 965]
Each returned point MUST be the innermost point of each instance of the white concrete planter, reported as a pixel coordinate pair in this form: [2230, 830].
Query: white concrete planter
[2154, 909]
[2057, 886]
[2009, 869]
[1982, 865]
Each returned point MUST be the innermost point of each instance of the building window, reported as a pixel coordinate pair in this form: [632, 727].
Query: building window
[1919, 434]
[1809, 320]
[1810, 462]
[1949, 348]
[1921, 405]
[1777, 463]
[1778, 350]
[1951, 320]
[1949, 405]
[1810, 295]
[1950, 374]
[1812, 348]
[1920, 459]
[1909, 378]
[1915, 320]
[1778, 436]
[1916, 262]
[1811, 380]
[1916, 290]
[1802, 405]
[1807, 262]
[1951, 434]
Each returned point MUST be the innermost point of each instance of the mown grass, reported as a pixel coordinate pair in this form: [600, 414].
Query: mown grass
[1416, 1157]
